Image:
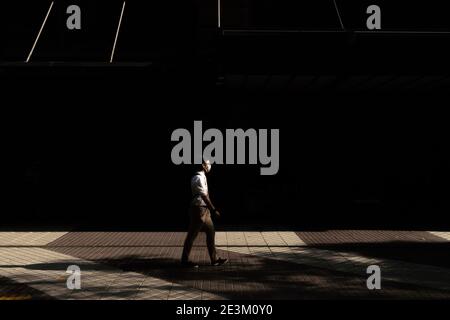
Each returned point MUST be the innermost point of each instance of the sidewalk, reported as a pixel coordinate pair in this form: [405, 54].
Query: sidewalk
[262, 265]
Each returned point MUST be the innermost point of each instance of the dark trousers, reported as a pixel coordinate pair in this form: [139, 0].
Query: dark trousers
[200, 221]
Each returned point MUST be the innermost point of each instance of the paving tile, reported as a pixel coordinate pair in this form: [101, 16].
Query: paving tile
[236, 239]
[221, 239]
[273, 239]
[291, 238]
[254, 239]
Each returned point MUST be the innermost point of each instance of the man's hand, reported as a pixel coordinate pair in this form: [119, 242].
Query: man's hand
[217, 213]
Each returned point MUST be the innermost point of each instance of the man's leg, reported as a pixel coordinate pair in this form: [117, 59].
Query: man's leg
[210, 236]
[194, 228]
[208, 225]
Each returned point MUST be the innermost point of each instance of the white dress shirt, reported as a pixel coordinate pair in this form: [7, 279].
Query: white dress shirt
[199, 186]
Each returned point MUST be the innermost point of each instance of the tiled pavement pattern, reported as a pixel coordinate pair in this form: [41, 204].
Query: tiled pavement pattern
[169, 239]
[17, 239]
[267, 265]
[364, 236]
[45, 270]
[11, 290]
[419, 247]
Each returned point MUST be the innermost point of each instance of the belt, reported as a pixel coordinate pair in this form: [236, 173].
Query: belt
[200, 206]
[197, 205]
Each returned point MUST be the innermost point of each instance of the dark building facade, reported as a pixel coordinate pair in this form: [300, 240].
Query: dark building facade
[363, 134]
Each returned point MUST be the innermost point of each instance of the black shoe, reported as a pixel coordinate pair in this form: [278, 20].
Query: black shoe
[189, 264]
[219, 262]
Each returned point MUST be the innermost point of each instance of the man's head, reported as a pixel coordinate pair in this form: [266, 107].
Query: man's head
[206, 165]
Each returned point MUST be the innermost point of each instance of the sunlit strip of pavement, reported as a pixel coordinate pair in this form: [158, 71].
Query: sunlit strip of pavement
[28, 238]
[256, 238]
[174, 239]
[443, 235]
[45, 270]
[391, 270]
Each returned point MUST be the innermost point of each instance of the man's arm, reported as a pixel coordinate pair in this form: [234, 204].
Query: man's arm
[209, 204]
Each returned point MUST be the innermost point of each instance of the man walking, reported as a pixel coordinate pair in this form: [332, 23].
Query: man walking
[200, 215]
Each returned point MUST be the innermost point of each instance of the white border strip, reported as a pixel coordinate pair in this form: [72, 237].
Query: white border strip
[40, 31]
[117, 33]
